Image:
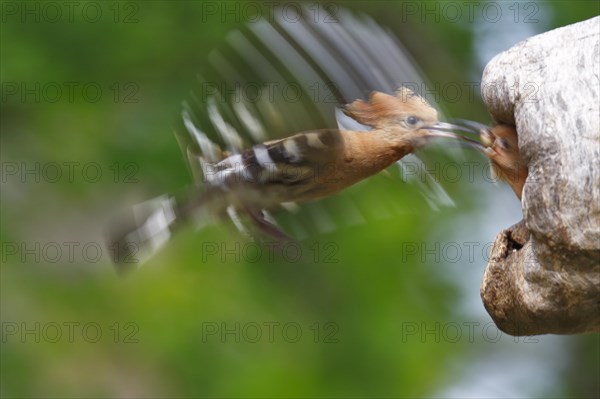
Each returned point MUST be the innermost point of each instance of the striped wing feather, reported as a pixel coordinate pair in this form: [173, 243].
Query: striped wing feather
[327, 66]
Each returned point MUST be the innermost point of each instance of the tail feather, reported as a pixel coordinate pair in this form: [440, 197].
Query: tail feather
[141, 232]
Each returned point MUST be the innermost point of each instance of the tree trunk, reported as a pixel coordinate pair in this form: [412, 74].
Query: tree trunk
[544, 272]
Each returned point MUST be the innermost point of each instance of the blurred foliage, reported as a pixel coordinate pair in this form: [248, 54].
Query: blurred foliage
[354, 287]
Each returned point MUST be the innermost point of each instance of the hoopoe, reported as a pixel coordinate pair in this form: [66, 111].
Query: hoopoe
[502, 148]
[304, 167]
[500, 144]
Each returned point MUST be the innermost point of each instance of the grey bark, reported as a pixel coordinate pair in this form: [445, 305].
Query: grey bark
[544, 273]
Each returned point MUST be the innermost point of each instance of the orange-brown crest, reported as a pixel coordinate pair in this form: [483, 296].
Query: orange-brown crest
[383, 110]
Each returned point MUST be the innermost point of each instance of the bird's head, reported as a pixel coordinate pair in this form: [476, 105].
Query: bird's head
[405, 116]
[502, 148]
[501, 145]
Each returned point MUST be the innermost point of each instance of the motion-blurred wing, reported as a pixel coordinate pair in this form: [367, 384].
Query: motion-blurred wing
[275, 79]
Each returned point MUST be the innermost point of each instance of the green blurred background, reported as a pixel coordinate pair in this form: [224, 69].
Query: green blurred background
[359, 314]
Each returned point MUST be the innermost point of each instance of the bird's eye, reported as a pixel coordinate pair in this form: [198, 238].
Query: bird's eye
[412, 120]
[503, 143]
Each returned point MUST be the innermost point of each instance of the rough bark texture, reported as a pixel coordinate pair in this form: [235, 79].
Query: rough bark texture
[544, 273]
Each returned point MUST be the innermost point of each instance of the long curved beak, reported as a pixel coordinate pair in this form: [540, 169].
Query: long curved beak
[449, 127]
[443, 129]
[485, 132]
[466, 123]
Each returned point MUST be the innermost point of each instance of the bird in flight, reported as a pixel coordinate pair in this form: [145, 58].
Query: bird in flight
[247, 182]
[303, 167]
